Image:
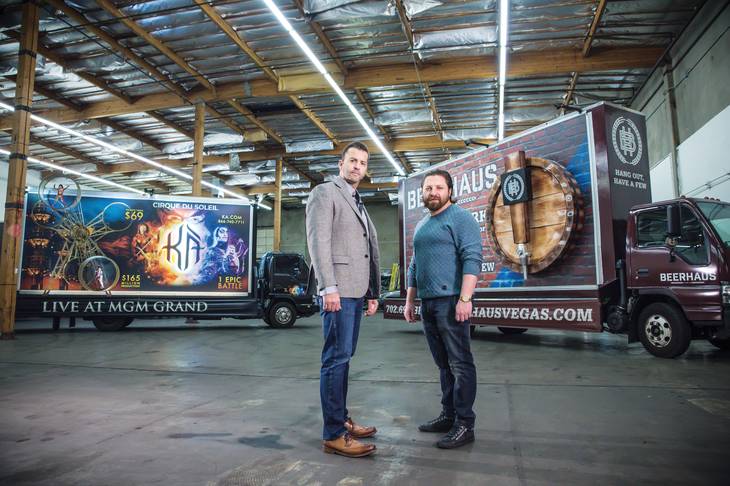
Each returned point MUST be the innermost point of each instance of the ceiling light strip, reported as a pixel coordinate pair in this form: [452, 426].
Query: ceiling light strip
[131, 155]
[67, 170]
[503, 28]
[320, 67]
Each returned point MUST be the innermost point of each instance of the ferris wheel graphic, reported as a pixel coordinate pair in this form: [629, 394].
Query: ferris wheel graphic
[80, 259]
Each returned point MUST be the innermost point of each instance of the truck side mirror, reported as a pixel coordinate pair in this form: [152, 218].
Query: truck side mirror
[674, 229]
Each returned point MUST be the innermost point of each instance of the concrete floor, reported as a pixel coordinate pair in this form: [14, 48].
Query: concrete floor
[237, 403]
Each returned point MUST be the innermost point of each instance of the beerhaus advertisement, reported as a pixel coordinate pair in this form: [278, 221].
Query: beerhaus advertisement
[560, 226]
[538, 198]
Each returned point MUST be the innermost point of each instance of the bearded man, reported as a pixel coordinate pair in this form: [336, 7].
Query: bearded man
[447, 257]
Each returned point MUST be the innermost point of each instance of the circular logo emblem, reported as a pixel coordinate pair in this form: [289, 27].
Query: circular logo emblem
[514, 187]
[626, 141]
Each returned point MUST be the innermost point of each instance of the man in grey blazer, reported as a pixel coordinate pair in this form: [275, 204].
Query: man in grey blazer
[343, 245]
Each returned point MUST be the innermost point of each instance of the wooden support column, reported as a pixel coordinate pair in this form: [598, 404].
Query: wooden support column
[14, 210]
[198, 148]
[277, 205]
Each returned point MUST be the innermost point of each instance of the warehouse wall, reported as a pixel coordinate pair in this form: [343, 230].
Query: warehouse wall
[294, 239]
[701, 71]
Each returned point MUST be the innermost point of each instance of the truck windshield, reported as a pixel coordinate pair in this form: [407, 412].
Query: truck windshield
[718, 214]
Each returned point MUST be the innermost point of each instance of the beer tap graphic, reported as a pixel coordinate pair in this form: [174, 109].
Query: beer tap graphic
[516, 191]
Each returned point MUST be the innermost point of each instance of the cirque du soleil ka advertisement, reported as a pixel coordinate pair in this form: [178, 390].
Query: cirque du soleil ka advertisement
[128, 244]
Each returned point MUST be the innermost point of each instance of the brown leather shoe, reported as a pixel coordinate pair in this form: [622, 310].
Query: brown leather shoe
[359, 431]
[348, 447]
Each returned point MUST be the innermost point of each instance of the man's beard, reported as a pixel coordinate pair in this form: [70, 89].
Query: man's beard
[435, 204]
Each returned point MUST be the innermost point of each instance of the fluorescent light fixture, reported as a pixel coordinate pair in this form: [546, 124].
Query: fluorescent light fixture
[131, 155]
[503, 27]
[320, 67]
[67, 170]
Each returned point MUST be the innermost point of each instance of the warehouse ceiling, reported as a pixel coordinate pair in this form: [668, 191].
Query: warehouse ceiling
[423, 73]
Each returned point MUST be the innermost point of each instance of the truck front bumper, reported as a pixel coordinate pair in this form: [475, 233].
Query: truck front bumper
[724, 331]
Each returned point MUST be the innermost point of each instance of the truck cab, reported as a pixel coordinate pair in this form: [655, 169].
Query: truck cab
[677, 273]
[285, 287]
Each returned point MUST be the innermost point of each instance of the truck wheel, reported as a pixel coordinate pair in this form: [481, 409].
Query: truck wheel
[108, 324]
[663, 330]
[723, 344]
[511, 330]
[282, 314]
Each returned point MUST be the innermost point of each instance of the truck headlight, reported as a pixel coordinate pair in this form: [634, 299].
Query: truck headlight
[725, 292]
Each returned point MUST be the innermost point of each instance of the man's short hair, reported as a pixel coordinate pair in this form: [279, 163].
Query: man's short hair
[355, 145]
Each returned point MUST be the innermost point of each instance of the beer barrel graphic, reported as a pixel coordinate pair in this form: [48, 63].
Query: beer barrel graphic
[553, 217]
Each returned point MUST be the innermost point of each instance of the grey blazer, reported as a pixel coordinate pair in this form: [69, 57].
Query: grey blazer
[342, 254]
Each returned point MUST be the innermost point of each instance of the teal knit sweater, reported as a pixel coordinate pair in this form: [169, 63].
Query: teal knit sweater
[445, 247]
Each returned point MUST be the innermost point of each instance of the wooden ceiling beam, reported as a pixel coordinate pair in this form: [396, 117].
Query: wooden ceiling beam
[269, 188]
[173, 163]
[51, 95]
[547, 62]
[104, 121]
[227, 29]
[131, 133]
[243, 110]
[598, 14]
[174, 57]
[569, 93]
[170, 124]
[429, 142]
[128, 54]
[524, 64]
[587, 44]
[99, 83]
[359, 93]
[156, 43]
[101, 167]
[398, 145]
[116, 45]
[57, 147]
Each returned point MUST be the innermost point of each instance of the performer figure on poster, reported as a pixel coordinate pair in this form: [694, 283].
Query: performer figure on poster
[142, 248]
[222, 257]
[60, 189]
[99, 277]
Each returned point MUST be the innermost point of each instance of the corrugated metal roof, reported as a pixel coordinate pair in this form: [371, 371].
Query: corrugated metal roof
[422, 120]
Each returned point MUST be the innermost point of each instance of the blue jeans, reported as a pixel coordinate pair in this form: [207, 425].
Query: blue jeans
[450, 346]
[340, 330]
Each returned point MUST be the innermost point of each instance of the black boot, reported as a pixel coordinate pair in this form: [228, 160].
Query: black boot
[442, 423]
[458, 436]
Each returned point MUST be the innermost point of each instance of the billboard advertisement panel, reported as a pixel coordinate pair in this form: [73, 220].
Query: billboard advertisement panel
[561, 229]
[125, 244]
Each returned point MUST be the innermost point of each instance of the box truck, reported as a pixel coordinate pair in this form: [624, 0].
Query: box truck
[572, 241]
[112, 258]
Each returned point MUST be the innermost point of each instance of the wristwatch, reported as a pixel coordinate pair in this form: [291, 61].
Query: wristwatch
[463, 298]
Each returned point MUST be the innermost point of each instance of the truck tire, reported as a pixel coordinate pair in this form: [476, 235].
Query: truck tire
[282, 315]
[723, 344]
[511, 330]
[109, 324]
[663, 330]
